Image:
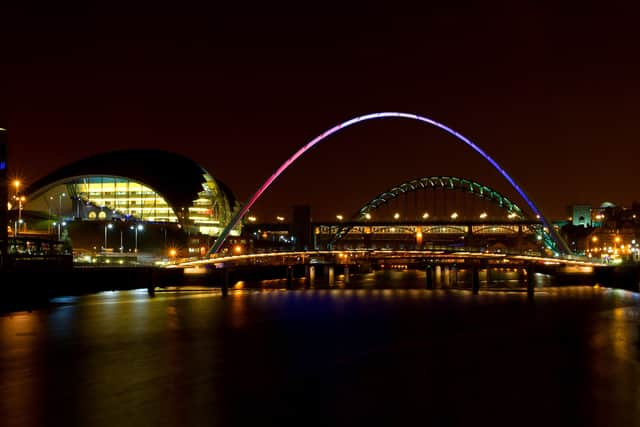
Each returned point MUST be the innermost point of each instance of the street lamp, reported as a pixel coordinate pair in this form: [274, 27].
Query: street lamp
[20, 199]
[16, 183]
[60, 196]
[136, 228]
[106, 226]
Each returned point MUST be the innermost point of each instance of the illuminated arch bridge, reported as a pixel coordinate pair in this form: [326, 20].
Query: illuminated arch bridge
[136, 185]
[554, 240]
[439, 209]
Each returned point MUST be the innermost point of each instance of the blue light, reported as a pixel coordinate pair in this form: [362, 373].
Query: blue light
[3, 166]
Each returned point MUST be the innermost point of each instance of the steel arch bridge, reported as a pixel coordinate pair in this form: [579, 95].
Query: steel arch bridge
[443, 182]
[558, 243]
[449, 183]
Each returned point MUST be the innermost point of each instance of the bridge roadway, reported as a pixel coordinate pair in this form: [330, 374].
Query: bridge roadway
[352, 256]
[433, 262]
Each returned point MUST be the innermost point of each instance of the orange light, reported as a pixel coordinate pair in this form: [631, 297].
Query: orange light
[173, 252]
[237, 249]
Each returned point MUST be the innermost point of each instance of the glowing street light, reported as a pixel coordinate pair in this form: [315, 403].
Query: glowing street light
[367, 215]
[139, 227]
[396, 216]
[19, 221]
[106, 226]
[454, 215]
[280, 218]
[252, 218]
[339, 217]
[483, 215]
[425, 215]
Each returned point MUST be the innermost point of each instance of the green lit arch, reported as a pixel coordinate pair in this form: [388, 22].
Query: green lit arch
[439, 182]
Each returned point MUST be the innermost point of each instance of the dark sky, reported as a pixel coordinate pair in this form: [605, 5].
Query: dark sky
[550, 91]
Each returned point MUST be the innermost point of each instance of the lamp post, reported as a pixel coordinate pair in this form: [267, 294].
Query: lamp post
[136, 228]
[16, 184]
[106, 226]
[60, 196]
[19, 221]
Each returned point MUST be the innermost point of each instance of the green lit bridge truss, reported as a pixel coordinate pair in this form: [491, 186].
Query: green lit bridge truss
[444, 183]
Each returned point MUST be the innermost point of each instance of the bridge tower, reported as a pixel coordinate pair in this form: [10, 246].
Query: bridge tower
[301, 228]
[4, 199]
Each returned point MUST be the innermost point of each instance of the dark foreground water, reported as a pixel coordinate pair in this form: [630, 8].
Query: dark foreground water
[334, 357]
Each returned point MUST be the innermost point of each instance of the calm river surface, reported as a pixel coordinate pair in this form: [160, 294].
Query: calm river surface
[325, 357]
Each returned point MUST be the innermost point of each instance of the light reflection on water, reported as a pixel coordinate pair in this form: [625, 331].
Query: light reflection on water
[268, 356]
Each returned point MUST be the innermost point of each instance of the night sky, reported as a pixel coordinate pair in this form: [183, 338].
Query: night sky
[551, 92]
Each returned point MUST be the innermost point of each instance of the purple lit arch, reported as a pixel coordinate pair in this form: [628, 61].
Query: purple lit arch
[218, 243]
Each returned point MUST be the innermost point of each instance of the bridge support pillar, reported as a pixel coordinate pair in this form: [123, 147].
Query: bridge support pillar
[446, 282]
[330, 273]
[454, 276]
[429, 276]
[475, 280]
[438, 274]
[225, 282]
[531, 285]
[289, 277]
[522, 276]
[346, 273]
[309, 275]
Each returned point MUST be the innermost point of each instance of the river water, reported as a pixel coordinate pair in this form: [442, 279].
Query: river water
[325, 357]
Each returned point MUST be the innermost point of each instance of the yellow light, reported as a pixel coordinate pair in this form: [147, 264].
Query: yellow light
[280, 218]
[252, 218]
[454, 215]
[396, 215]
[617, 239]
[594, 239]
[483, 215]
[339, 217]
[367, 216]
[425, 215]
[173, 252]
[237, 249]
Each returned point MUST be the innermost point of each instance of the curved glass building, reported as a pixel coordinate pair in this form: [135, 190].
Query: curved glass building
[136, 185]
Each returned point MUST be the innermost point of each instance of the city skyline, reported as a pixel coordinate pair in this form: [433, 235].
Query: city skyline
[547, 92]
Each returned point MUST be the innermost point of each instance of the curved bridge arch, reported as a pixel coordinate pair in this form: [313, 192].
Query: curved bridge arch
[443, 182]
[559, 243]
